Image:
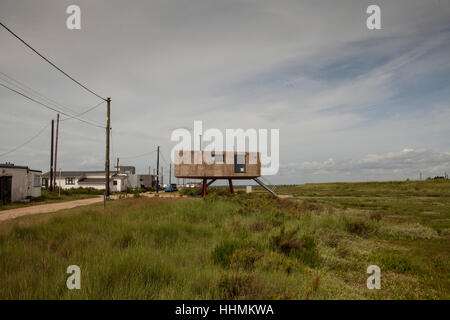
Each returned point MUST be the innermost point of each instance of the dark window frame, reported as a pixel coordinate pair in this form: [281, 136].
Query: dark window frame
[37, 181]
[240, 167]
[69, 181]
[214, 159]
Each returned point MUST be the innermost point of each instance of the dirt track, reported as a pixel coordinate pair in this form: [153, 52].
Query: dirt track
[44, 208]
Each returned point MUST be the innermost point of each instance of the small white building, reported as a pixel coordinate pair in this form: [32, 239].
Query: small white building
[18, 183]
[91, 179]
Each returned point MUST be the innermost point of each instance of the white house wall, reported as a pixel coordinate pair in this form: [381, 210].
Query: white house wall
[22, 183]
[121, 184]
[34, 190]
[62, 183]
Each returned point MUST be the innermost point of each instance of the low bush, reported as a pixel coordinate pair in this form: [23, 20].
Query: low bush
[245, 258]
[259, 226]
[375, 215]
[357, 226]
[188, 191]
[223, 252]
[304, 249]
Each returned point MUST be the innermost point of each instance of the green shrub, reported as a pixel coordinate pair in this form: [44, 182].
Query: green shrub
[413, 231]
[245, 258]
[375, 215]
[125, 241]
[222, 253]
[136, 192]
[394, 261]
[240, 286]
[259, 226]
[304, 249]
[188, 191]
[357, 226]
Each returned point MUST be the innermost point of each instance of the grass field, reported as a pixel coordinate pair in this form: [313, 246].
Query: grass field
[316, 245]
[54, 196]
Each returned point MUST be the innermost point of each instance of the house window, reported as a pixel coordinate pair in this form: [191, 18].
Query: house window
[115, 182]
[70, 180]
[217, 158]
[36, 181]
[44, 182]
[239, 163]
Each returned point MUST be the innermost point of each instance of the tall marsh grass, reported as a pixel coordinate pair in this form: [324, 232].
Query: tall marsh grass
[222, 247]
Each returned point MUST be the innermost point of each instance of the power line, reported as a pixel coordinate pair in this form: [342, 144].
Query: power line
[138, 156]
[112, 144]
[51, 63]
[51, 108]
[26, 142]
[162, 156]
[31, 91]
[84, 112]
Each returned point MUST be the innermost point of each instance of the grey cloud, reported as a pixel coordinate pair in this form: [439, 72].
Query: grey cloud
[246, 63]
[387, 166]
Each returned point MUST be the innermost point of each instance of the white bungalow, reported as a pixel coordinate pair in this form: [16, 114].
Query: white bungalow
[18, 183]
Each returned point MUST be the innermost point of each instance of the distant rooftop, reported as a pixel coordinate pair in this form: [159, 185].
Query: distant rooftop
[74, 173]
[13, 166]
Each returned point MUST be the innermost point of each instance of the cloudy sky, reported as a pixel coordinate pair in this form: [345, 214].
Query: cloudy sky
[351, 104]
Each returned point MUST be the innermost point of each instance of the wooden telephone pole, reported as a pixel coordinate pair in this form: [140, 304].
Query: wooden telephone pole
[157, 170]
[51, 158]
[108, 131]
[170, 174]
[56, 151]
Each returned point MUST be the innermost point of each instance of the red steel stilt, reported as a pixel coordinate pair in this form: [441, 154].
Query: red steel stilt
[231, 186]
[204, 188]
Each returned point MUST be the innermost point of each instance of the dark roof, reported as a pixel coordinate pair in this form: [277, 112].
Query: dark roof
[123, 169]
[92, 181]
[12, 166]
[73, 173]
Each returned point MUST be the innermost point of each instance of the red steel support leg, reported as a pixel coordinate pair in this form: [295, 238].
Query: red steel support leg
[204, 188]
[231, 186]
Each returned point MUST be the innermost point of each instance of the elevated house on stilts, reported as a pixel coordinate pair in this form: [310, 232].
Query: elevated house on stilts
[214, 165]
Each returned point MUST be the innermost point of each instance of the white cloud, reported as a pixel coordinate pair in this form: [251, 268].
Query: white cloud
[407, 163]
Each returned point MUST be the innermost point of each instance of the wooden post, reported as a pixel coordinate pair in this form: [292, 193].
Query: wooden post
[230, 183]
[56, 151]
[51, 157]
[108, 131]
[204, 188]
[59, 185]
[157, 171]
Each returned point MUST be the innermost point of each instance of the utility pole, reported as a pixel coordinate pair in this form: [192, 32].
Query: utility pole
[108, 130]
[117, 166]
[56, 150]
[157, 170]
[51, 158]
[59, 185]
[170, 174]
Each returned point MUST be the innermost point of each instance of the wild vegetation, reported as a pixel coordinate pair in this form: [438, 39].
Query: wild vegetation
[56, 196]
[316, 245]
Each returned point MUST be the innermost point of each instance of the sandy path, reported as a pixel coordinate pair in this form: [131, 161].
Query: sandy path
[44, 208]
